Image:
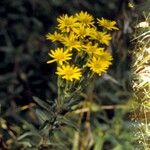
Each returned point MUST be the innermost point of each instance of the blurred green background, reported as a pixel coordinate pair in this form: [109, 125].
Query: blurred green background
[23, 55]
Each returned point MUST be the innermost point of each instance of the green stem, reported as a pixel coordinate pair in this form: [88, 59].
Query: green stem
[59, 100]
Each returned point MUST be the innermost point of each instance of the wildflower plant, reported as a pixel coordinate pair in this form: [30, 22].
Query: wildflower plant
[81, 54]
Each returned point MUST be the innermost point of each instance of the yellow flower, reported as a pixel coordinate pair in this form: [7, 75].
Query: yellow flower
[102, 37]
[54, 37]
[93, 32]
[105, 56]
[71, 42]
[84, 18]
[108, 24]
[69, 72]
[81, 31]
[59, 55]
[100, 65]
[67, 23]
[93, 49]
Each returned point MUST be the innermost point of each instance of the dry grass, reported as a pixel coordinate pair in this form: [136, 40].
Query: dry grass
[141, 82]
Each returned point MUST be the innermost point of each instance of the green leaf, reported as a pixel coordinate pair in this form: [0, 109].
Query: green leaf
[118, 147]
[43, 104]
[68, 122]
[98, 143]
[43, 115]
[30, 139]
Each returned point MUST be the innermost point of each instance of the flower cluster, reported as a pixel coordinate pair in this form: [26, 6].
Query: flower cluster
[82, 44]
